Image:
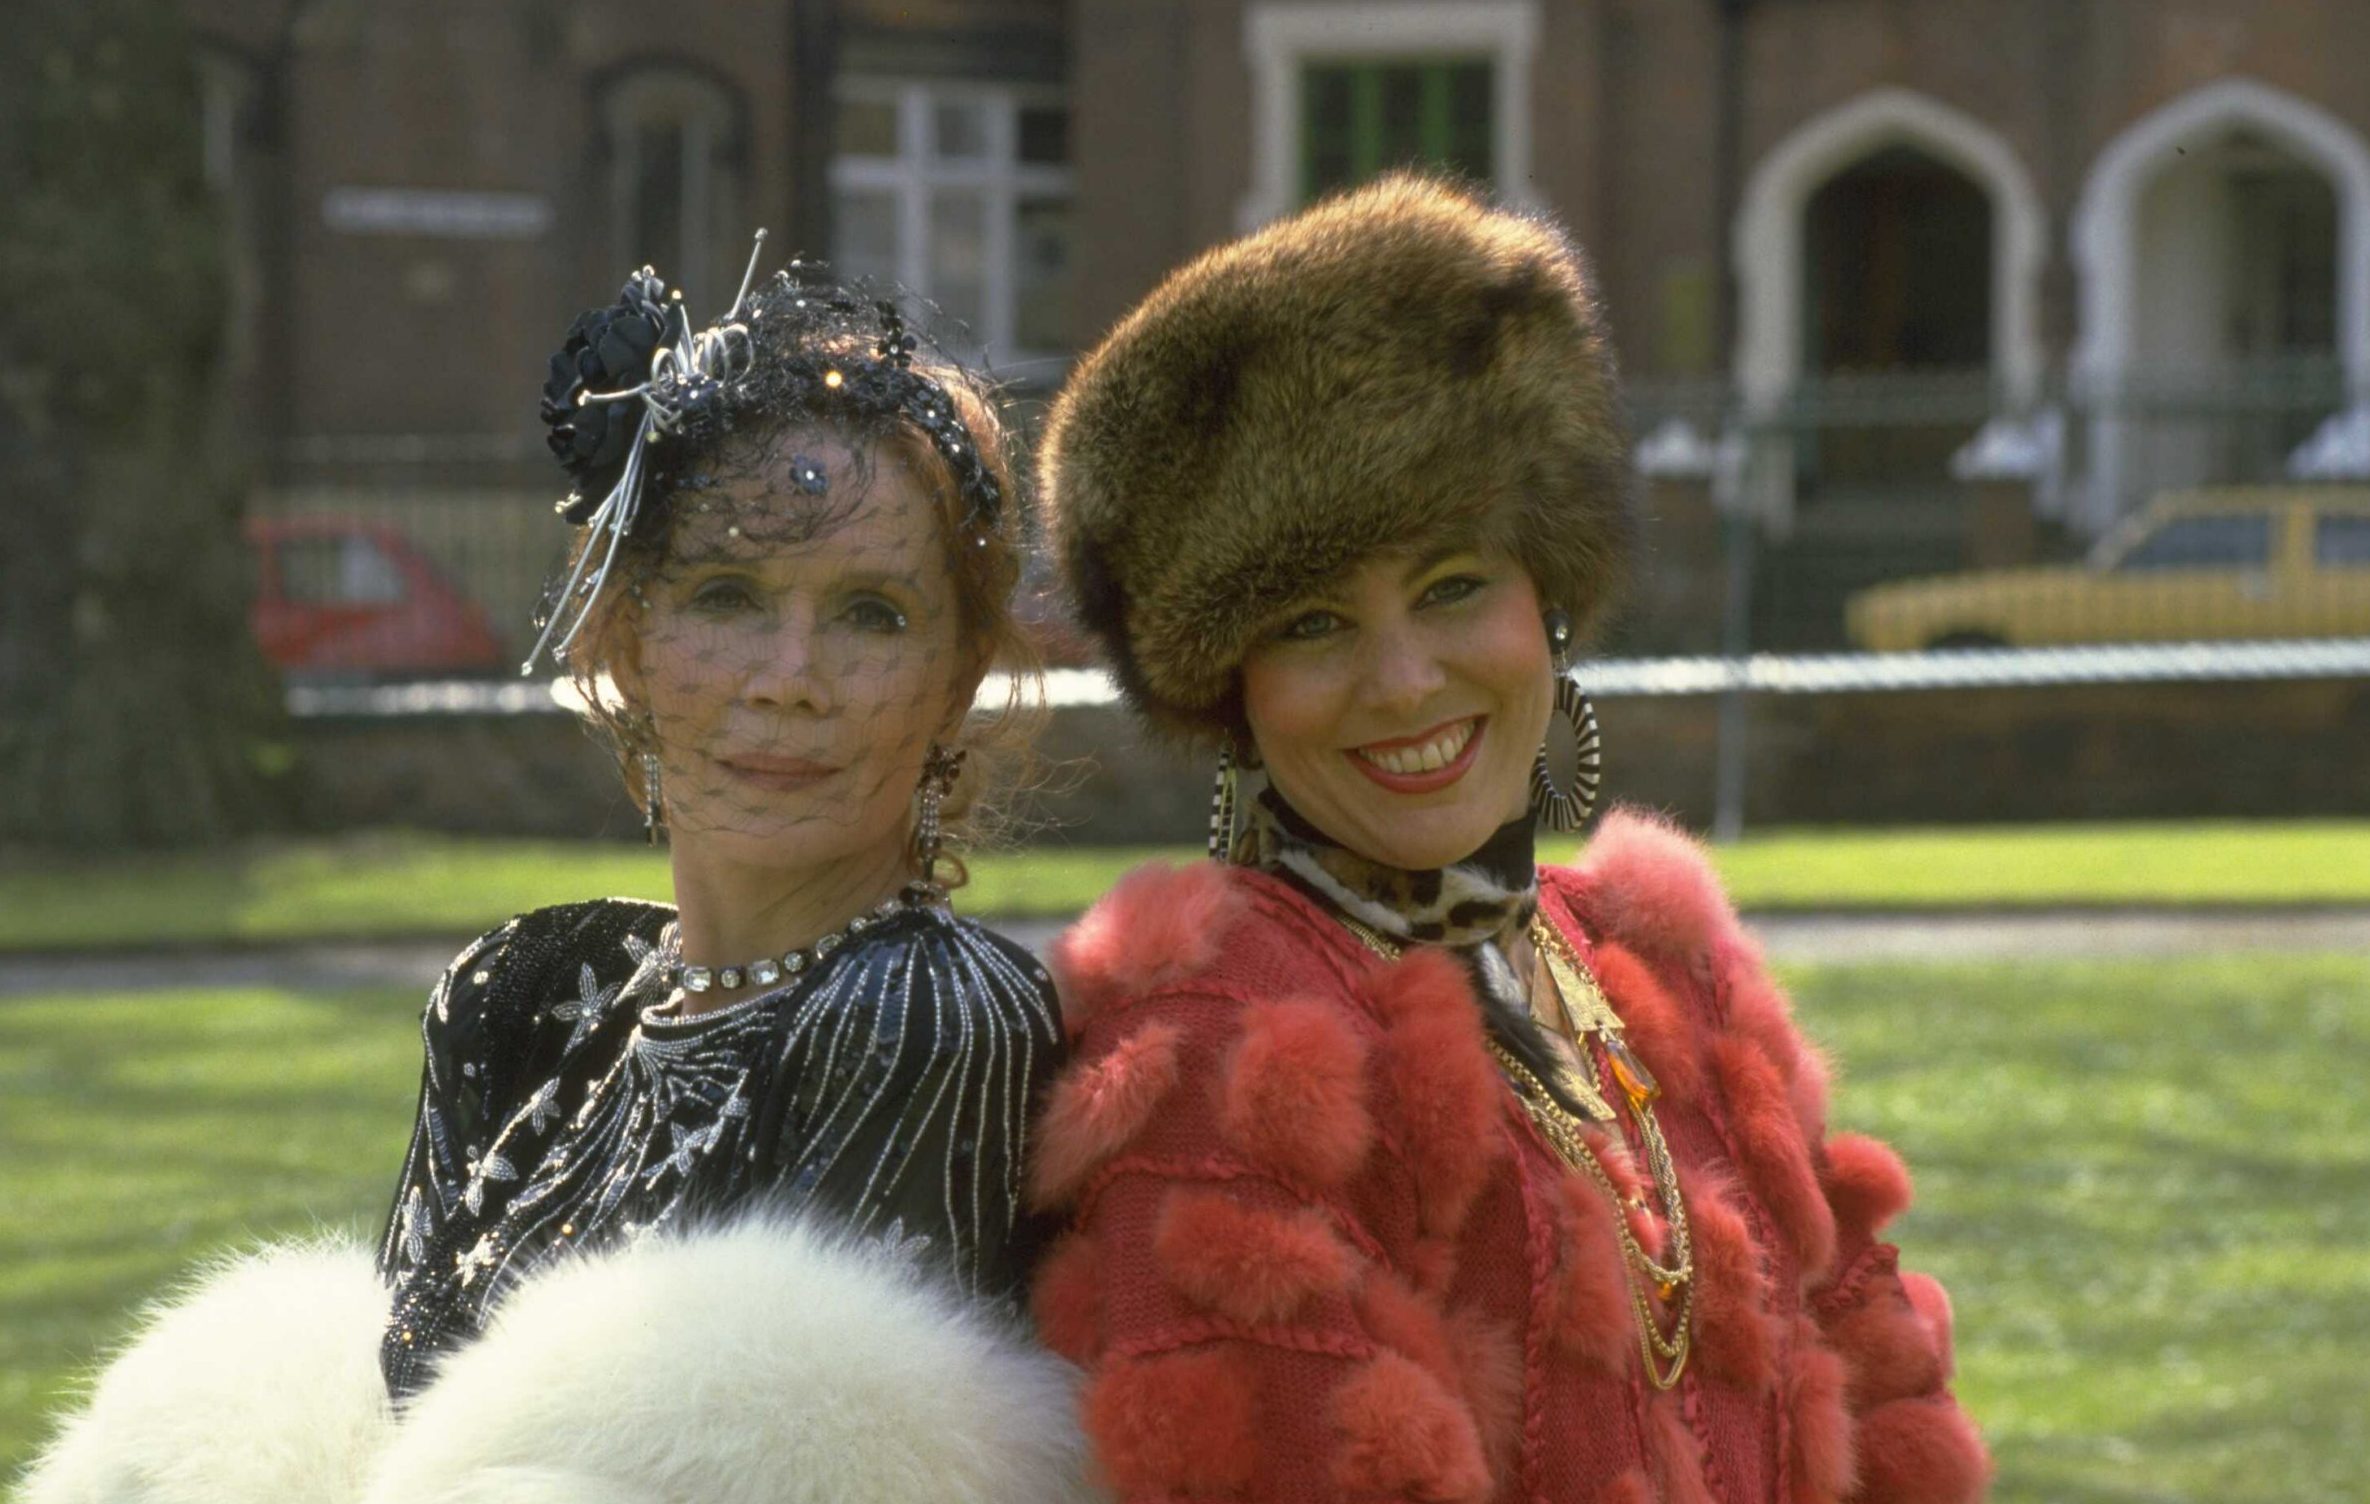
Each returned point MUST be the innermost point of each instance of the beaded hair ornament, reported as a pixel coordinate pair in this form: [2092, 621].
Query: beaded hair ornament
[634, 376]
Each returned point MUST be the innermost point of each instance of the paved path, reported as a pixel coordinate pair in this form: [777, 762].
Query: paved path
[1788, 937]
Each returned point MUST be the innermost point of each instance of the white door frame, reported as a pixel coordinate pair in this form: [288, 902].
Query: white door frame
[1766, 247]
[2105, 235]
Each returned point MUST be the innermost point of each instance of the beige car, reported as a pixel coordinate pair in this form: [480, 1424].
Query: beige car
[2244, 562]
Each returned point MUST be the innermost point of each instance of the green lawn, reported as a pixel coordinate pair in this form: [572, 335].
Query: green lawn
[141, 1131]
[2147, 1185]
[414, 884]
[2230, 862]
[409, 884]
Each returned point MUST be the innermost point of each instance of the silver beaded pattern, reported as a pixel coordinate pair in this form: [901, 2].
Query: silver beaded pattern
[891, 1086]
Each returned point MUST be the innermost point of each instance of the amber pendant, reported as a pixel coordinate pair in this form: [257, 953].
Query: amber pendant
[1629, 1071]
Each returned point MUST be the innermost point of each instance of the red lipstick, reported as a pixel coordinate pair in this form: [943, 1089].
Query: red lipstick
[1432, 779]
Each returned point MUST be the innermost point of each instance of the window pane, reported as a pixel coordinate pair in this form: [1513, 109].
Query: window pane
[1045, 135]
[958, 130]
[864, 234]
[655, 218]
[1361, 118]
[1325, 99]
[1041, 242]
[338, 572]
[1399, 138]
[366, 576]
[2342, 542]
[958, 256]
[1472, 120]
[865, 128]
[2239, 541]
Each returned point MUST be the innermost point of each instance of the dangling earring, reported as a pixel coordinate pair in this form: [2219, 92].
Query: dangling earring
[1570, 810]
[941, 766]
[653, 806]
[1222, 798]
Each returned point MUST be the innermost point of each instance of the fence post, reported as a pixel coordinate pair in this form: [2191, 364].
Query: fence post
[1730, 756]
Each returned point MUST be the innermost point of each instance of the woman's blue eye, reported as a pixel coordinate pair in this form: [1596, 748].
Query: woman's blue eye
[872, 614]
[1455, 587]
[1309, 624]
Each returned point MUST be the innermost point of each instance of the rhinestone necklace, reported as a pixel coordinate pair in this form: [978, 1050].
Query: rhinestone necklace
[765, 971]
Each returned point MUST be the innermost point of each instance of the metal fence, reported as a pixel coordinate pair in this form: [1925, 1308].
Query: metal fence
[1871, 535]
[2180, 507]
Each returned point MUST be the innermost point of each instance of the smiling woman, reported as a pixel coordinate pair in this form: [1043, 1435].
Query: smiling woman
[1398, 1164]
[720, 1201]
[1448, 644]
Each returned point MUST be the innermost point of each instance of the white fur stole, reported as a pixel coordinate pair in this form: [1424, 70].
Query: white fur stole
[759, 1363]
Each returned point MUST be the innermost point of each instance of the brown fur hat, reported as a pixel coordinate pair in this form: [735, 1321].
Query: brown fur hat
[1394, 368]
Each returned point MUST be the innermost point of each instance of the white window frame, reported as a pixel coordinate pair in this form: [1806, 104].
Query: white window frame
[226, 96]
[1282, 39]
[999, 176]
[705, 112]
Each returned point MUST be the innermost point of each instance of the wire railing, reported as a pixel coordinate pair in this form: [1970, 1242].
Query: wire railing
[1871, 534]
[1759, 673]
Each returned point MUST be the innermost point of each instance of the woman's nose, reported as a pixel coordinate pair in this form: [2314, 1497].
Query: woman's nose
[788, 671]
[1403, 670]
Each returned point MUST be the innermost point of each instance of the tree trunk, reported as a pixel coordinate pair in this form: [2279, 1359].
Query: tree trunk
[134, 708]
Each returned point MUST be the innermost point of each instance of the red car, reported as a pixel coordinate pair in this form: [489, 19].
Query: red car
[345, 596]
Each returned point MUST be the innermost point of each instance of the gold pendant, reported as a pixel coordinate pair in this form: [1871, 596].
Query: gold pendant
[1584, 1001]
[1576, 1077]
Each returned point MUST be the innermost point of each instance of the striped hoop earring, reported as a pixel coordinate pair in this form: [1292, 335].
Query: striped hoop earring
[1222, 805]
[1561, 809]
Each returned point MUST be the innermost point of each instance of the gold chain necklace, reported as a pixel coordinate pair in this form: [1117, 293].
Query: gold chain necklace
[1584, 1002]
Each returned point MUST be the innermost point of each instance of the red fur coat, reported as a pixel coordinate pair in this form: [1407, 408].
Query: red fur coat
[1317, 1251]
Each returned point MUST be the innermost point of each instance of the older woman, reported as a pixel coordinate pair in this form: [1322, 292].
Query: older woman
[1396, 1165]
[719, 1201]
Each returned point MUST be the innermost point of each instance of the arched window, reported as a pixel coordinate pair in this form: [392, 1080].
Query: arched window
[674, 148]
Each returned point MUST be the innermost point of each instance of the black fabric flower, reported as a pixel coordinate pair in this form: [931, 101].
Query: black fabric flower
[607, 350]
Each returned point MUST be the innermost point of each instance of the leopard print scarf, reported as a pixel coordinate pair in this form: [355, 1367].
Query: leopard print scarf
[1470, 907]
[1488, 894]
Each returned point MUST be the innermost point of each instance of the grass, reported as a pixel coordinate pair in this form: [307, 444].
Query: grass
[2147, 1185]
[402, 883]
[385, 884]
[141, 1131]
[2200, 863]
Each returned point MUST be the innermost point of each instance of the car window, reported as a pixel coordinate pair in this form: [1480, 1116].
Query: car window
[2342, 541]
[2226, 540]
[338, 572]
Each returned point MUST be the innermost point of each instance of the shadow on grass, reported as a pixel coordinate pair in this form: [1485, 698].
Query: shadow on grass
[61, 902]
[142, 1132]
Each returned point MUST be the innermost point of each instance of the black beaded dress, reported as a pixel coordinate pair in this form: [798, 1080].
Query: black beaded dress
[887, 1088]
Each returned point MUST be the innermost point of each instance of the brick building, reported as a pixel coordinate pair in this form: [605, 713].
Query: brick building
[1866, 227]
[428, 188]
[2127, 241]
